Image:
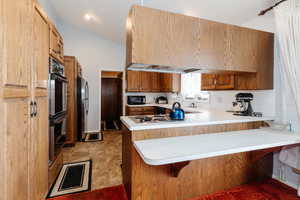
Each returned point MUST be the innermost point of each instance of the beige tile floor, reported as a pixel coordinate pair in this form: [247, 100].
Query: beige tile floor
[106, 156]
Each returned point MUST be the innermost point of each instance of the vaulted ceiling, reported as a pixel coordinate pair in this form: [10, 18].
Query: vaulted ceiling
[110, 15]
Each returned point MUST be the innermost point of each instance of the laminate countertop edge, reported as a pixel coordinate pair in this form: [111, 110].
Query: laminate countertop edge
[202, 117]
[187, 148]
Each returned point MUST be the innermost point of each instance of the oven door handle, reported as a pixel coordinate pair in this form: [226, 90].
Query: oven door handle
[57, 120]
[58, 77]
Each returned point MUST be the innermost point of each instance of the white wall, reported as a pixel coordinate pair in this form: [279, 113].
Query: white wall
[94, 54]
[46, 5]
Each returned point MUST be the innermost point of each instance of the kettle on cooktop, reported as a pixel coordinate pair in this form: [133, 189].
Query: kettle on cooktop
[177, 113]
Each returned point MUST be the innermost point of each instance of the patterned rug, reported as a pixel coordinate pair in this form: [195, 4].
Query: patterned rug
[267, 190]
[111, 193]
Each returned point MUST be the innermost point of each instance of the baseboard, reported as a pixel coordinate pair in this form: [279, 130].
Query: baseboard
[285, 182]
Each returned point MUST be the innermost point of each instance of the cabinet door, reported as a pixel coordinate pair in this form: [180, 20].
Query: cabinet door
[242, 49]
[133, 81]
[208, 81]
[56, 44]
[71, 68]
[225, 81]
[39, 149]
[15, 146]
[41, 40]
[166, 82]
[155, 82]
[176, 83]
[212, 44]
[54, 37]
[17, 32]
[16, 38]
[146, 81]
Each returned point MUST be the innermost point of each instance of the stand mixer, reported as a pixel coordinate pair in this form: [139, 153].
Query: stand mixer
[243, 104]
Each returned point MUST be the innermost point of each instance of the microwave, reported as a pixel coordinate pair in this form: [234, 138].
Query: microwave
[136, 100]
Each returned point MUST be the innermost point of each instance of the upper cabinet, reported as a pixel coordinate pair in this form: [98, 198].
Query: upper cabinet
[41, 51]
[138, 81]
[56, 44]
[217, 82]
[170, 82]
[162, 40]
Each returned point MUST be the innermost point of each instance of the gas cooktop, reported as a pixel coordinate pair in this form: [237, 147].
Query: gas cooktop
[150, 118]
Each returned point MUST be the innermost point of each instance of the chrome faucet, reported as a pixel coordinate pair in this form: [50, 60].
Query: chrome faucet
[193, 105]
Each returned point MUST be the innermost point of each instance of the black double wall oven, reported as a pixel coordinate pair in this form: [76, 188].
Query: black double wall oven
[57, 86]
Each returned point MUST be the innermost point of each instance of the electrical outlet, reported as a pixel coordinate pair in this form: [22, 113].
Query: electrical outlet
[203, 98]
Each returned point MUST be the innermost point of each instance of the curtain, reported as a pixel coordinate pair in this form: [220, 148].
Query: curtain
[287, 18]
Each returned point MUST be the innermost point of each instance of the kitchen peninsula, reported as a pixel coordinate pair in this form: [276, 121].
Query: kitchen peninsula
[207, 152]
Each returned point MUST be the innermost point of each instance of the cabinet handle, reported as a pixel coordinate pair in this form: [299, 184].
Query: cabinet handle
[31, 109]
[35, 109]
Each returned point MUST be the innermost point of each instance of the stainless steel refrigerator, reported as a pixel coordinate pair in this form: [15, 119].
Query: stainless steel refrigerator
[82, 107]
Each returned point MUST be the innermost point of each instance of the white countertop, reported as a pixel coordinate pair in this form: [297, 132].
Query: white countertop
[200, 117]
[179, 149]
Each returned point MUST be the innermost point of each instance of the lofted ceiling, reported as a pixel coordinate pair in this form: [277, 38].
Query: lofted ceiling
[109, 16]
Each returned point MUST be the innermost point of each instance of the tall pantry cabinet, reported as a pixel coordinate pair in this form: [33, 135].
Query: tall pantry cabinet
[24, 49]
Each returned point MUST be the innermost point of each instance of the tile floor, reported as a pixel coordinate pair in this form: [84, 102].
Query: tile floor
[106, 156]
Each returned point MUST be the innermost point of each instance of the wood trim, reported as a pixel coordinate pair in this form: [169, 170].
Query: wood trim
[41, 12]
[112, 74]
[15, 93]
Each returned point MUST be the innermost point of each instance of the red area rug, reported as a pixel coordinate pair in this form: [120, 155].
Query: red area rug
[111, 193]
[267, 190]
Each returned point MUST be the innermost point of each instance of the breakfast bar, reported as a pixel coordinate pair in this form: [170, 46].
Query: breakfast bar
[186, 148]
[209, 151]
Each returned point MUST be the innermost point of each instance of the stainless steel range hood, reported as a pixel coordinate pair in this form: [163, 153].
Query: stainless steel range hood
[161, 69]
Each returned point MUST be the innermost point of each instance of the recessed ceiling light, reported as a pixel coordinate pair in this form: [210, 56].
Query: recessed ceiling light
[87, 17]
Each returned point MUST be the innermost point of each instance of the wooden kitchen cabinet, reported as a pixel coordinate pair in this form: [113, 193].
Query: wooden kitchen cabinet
[56, 44]
[242, 52]
[39, 138]
[133, 79]
[23, 101]
[225, 81]
[146, 81]
[185, 42]
[156, 85]
[208, 81]
[170, 82]
[217, 81]
[72, 71]
[139, 81]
